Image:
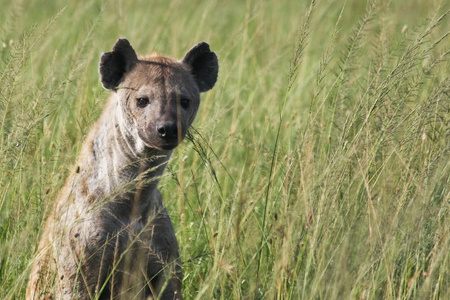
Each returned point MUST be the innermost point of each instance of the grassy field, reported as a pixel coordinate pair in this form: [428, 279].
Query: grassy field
[318, 166]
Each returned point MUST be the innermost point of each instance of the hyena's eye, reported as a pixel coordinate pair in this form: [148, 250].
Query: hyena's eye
[142, 101]
[184, 103]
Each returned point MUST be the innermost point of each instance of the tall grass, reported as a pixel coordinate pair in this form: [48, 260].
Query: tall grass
[318, 166]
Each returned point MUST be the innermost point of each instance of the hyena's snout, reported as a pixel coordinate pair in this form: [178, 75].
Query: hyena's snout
[169, 131]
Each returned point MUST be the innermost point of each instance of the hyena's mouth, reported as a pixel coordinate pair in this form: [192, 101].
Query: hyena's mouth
[169, 143]
[162, 146]
[168, 146]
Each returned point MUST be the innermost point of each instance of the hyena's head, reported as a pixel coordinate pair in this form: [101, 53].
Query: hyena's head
[158, 96]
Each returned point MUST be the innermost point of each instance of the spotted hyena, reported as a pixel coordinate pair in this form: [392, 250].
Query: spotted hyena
[109, 236]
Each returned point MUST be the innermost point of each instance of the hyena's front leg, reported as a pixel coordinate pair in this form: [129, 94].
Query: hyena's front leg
[164, 265]
[85, 258]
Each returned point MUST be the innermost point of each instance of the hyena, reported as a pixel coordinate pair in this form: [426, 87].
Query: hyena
[109, 235]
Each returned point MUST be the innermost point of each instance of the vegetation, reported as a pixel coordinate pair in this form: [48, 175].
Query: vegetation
[317, 168]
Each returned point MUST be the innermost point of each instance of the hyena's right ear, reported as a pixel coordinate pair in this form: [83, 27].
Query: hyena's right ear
[114, 64]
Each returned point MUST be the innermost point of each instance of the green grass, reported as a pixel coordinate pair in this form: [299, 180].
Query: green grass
[318, 166]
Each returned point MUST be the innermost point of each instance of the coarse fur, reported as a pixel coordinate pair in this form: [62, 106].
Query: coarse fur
[109, 235]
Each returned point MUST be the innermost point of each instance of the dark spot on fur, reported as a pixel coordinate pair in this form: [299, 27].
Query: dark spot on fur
[62, 277]
[84, 186]
[77, 235]
[48, 297]
[91, 198]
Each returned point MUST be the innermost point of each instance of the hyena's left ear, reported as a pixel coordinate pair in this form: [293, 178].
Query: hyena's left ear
[114, 64]
[204, 65]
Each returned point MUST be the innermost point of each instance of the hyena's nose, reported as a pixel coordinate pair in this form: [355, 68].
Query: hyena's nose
[167, 131]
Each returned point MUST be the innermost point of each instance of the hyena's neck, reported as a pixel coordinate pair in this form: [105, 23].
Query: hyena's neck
[119, 163]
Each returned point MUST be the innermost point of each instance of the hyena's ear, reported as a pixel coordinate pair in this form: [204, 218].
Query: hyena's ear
[114, 64]
[204, 65]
